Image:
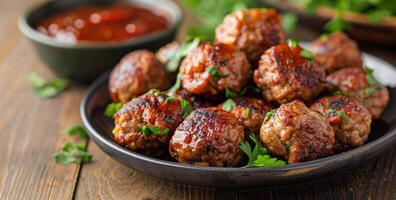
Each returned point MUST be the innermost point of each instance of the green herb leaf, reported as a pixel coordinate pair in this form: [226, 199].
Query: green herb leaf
[307, 54]
[187, 109]
[289, 22]
[293, 43]
[154, 130]
[72, 153]
[269, 114]
[176, 57]
[339, 113]
[112, 109]
[169, 120]
[228, 105]
[154, 91]
[77, 130]
[177, 84]
[214, 72]
[337, 23]
[170, 99]
[47, 89]
[258, 157]
[248, 112]
[373, 83]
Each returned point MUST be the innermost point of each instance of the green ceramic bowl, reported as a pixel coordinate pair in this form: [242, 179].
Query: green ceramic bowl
[85, 61]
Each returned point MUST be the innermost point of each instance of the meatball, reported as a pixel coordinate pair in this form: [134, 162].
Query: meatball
[250, 112]
[297, 133]
[284, 75]
[362, 86]
[137, 73]
[195, 101]
[211, 68]
[336, 51]
[209, 137]
[146, 123]
[165, 53]
[252, 31]
[351, 121]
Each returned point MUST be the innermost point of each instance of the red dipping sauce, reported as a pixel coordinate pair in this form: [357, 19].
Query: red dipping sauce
[102, 24]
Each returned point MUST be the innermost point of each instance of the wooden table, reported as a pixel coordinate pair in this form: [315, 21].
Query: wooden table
[31, 130]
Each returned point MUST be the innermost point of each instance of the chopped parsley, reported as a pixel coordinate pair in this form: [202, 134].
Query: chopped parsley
[228, 105]
[269, 114]
[229, 93]
[47, 89]
[170, 99]
[307, 54]
[176, 56]
[258, 156]
[112, 109]
[77, 130]
[293, 43]
[154, 130]
[187, 109]
[177, 84]
[373, 83]
[248, 112]
[343, 116]
[154, 91]
[72, 153]
[214, 72]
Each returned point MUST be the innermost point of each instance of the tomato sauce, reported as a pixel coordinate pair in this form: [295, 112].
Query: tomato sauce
[102, 24]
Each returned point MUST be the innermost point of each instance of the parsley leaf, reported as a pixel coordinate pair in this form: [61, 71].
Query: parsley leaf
[185, 107]
[170, 99]
[293, 43]
[248, 112]
[258, 157]
[229, 93]
[47, 89]
[214, 72]
[228, 105]
[72, 153]
[154, 130]
[177, 84]
[373, 83]
[307, 54]
[176, 57]
[269, 114]
[77, 130]
[112, 109]
[289, 22]
[343, 116]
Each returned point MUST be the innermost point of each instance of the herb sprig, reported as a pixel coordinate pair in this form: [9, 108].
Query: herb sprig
[176, 56]
[47, 89]
[228, 105]
[112, 109]
[72, 153]
[154, 130]
[77, 130]
[258, 156]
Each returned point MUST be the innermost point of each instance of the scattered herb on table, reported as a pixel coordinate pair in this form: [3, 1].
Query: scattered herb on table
[228, 105]
[170, 99]
[154, 130]
[72, 153]
[258, 156]
[112, 109]
[47, 89]
[77, 130]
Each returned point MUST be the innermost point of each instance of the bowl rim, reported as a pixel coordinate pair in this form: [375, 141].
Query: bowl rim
[380, 144]
[176, 18]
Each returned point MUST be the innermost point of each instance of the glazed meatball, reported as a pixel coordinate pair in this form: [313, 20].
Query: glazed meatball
[252, 31]
[297, 133]
[362, 86]
[336, 51]
[209, 137]
[285, 75]
[165, 53]
[250, 112]
[195, 101]
[351, 121]
[146, 123]
[137, 73]
[211, 68]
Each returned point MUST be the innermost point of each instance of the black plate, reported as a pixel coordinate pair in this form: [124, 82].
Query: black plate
[382, 137]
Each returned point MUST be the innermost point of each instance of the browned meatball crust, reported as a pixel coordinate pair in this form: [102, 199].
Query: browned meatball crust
[284, 75]
[252, 31]
[165, 53]
[350, 119]
[297, 133]
[250, 112]
[355, 83]
[209, 137]
[150, 110]
[336, 51]
[210, 68]
[137, 73]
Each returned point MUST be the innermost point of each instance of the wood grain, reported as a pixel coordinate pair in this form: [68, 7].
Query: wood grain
[31, 130]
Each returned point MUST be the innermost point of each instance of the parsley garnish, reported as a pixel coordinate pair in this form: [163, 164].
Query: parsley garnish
[373, 83]
[185, 105]
[293, 43]
[339, 113]
[176, 57]
[229, 93]
[154, 130]
[228, 105]
[77, 130]
[258, 157]
[112, 109]
[340, 93]
[177, 84]
[289, 22]
[154, 91]
[72, 153]
[47, 89]
[214, 72]
[170, 99]
[269, 114]
[169, 120]
[248, 112]
[307, 54]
